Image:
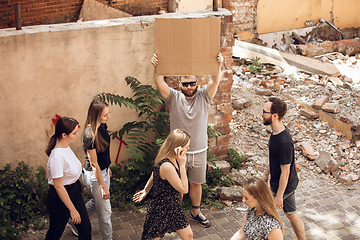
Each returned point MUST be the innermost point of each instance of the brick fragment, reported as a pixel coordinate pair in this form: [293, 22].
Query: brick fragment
[357, 144]
[319, 102]
[241, 103]
[228, 193]
[224, 166]
[357, 101]
[309, 113]
[345, 179]
[330, 107]
[308, 150]
[265, 92]
[326, 163]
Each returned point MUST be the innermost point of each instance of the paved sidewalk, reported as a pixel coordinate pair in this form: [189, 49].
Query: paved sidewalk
[329, 212]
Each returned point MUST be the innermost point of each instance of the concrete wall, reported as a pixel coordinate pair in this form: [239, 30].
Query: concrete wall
[253, 17]
[57, 69]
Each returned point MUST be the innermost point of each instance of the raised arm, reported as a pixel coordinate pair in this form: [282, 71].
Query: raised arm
[214, 83]
[163, 88]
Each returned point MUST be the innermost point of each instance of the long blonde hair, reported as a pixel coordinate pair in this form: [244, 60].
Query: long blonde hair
[176, 138]
[257, 188]
[94, 120]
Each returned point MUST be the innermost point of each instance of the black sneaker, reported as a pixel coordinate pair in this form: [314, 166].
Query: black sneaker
[201, 219]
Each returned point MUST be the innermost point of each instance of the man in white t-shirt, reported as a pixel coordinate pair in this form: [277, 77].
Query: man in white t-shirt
[189, 110]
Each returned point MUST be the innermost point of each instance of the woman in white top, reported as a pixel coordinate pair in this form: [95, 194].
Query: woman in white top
[63, 172]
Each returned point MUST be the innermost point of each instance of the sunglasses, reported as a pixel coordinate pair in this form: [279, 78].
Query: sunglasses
[186, 84]
[266, 112]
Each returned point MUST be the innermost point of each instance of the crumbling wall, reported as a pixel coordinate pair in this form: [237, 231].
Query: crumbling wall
[56, 69]
[139, 7]
[61, 11]
[254, 17]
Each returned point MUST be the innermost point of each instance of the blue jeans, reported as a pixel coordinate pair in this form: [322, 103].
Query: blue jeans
[97, 204]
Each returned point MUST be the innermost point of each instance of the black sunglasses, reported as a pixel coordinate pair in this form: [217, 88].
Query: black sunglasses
[186, 84]
[266, 112]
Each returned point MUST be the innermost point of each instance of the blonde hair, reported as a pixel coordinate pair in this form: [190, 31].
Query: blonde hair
[257, 188]
[94, 120]
[176, 138]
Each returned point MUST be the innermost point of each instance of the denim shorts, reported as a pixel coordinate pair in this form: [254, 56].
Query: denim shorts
[289, 205]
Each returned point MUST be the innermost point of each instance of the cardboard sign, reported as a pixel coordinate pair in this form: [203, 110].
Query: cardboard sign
[187, 46]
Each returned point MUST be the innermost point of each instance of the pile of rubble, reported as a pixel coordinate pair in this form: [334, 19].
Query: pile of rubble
[320, 149]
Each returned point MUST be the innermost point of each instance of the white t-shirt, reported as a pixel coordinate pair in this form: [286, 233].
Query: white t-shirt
[63, 163]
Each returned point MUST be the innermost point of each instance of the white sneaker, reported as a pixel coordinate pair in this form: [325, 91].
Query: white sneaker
[71, 225]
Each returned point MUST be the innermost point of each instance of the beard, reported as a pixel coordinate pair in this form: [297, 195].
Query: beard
[267, 121]
[189, 93]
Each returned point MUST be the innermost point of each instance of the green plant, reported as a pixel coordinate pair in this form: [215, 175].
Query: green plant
[210, 197]
[236, 159]
[22, 198]
[255, 65]
[146, 101]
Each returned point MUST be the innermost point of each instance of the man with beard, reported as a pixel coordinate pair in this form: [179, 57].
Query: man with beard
[189, 110]
[281, 168]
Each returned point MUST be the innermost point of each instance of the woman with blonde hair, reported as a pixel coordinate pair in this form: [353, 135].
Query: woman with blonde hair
[63, 172]
[169, 180]
[96, 177]
[262, 219]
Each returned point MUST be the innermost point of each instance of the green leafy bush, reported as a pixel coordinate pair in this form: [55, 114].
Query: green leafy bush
[22, 198]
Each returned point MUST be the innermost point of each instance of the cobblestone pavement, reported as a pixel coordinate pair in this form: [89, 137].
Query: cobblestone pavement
[329, 212]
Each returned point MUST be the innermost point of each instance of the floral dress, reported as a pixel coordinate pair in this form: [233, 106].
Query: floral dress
[258, 227]
[164, 213]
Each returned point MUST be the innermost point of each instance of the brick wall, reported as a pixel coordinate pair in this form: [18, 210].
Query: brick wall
[139, 7]
[220, 112]
[244, 13]
[35, 12]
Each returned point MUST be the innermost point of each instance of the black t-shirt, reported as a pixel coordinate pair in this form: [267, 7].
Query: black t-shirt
[281, 152]
[103, 158]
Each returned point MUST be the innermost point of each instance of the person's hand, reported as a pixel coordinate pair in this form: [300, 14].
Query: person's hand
[278, 202]
[75, 217]
[105, 193]
[220, 58]
[139, 196]
[181, 157]
[154, 60]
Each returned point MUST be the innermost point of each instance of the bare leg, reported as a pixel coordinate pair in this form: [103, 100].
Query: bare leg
[185, 233]
[195, 195]
[298, 225]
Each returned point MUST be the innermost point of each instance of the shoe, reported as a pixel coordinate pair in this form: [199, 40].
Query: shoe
[71, 225]
[201, 219]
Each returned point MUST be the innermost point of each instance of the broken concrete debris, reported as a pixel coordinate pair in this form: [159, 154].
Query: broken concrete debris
[320, 148]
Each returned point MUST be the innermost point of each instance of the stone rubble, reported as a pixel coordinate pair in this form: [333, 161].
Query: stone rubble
[319, 148]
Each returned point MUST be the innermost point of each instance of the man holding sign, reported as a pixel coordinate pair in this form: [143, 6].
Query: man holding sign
[189, 110]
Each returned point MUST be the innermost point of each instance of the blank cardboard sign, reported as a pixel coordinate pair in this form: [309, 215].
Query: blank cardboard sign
[187, 46]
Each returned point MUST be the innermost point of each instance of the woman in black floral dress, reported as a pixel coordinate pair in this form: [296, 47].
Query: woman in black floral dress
[169, 181]
[262, 219]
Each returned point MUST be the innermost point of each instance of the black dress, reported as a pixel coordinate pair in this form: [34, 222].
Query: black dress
[164, 213]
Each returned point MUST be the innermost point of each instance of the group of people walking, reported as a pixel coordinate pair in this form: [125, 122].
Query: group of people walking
[65, 202]
[180, 168]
